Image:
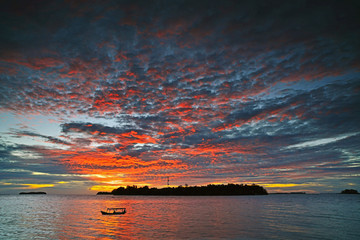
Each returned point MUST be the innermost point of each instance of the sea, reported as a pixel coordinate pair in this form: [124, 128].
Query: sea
[274, 216]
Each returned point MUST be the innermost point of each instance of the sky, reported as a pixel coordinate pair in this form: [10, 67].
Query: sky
[95, 95]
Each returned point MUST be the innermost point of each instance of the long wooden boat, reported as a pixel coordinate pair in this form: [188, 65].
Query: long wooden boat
[114, 211]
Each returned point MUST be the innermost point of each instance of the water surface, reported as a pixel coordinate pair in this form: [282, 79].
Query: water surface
[324, 216]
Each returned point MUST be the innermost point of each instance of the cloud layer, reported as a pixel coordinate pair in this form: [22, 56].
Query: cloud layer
[203, 92]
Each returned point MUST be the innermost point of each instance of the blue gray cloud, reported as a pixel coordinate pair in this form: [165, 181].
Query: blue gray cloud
[204, 91]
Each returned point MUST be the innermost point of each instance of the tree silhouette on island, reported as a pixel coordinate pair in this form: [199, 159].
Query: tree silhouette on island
[349, 191]
[209, 190]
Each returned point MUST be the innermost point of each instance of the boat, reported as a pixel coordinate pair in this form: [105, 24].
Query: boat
[114, 211]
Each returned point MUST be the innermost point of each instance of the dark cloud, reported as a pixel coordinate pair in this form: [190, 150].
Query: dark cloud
[32, 164]
[48, 139]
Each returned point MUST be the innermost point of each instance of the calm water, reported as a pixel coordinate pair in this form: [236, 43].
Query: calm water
[324, 216]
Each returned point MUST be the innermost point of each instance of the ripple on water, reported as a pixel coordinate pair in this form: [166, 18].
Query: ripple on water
[331, 216]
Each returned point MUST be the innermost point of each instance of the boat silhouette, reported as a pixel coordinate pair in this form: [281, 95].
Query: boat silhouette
[114, 211]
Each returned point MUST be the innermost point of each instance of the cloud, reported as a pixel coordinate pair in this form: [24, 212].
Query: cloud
[225, 91]
[323, 141]
[48, 139]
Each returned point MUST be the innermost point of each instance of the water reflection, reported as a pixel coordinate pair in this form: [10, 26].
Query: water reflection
[160, 217]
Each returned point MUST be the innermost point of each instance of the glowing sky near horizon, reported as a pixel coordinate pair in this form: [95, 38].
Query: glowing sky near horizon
[101, 94]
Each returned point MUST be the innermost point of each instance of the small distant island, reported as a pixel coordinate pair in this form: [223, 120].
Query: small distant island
[209, 190]
[349, 191]
[32, 193]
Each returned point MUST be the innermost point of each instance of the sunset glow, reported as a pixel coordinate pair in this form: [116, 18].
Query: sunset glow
[97, 95]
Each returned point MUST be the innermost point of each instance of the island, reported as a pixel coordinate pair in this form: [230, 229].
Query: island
[349, 191]
[32, 193]
[209, 190]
